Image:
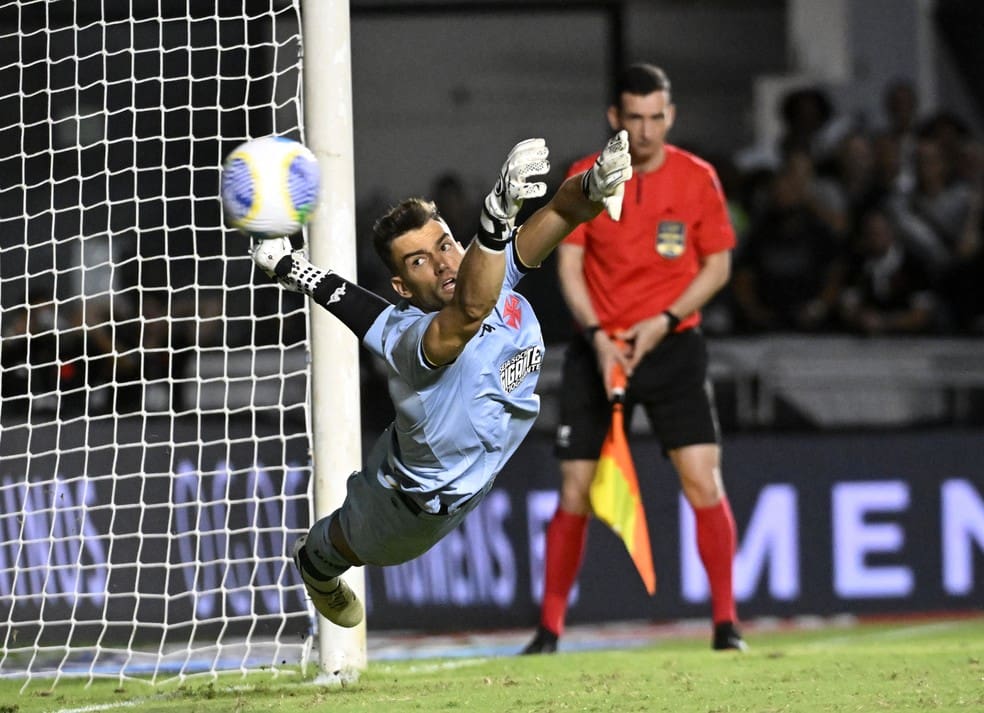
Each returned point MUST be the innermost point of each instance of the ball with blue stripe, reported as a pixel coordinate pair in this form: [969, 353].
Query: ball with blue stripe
[270, 186]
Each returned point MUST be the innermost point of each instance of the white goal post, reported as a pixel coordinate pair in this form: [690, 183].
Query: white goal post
[155, 440]
[335, 415]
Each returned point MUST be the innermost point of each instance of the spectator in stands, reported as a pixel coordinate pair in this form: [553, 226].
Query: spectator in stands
[888, 177]
[113, 344]
[951, 132]
[963, 285]
[935, 218]
[963, 290]
[806, 115]
[164, 341]
[888, 288]
[789, 272]
[900, 104]
[717, 316]
[42, 356]
[14, 386]
[809, 124]
[849, 185]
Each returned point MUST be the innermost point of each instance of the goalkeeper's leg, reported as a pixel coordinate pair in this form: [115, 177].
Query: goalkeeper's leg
[329, 593]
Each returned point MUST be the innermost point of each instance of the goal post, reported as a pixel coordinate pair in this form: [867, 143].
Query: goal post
[335, 403]
[155, 435]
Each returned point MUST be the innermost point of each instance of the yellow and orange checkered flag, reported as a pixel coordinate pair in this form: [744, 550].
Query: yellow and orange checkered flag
[615, 496]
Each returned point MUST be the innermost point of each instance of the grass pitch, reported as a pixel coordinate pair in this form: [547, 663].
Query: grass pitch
[928, 666]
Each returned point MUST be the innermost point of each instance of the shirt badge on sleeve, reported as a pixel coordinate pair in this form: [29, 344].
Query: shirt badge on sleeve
[671, 238]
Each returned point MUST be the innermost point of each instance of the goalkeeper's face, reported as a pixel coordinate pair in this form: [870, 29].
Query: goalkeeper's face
[427, 261]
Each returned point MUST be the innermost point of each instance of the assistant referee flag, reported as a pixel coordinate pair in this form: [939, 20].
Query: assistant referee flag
[615, 496]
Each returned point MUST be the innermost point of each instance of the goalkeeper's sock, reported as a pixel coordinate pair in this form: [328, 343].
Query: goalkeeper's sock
[306, 566]
[567, 536]
[716, 545]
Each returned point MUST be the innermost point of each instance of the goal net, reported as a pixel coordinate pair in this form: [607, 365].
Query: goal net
[154, 452]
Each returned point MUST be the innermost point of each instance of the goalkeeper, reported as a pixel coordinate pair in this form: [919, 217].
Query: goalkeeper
[463, 353]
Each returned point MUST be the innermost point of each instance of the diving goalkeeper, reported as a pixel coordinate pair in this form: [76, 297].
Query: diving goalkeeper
[463, 352]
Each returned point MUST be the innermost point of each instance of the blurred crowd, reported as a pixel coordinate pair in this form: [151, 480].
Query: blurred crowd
[110, 355]
[868, 226]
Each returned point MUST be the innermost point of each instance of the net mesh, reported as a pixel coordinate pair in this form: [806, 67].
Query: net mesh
[154, 459]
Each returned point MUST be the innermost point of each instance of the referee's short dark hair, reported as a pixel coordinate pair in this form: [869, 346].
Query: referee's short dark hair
[640, 79]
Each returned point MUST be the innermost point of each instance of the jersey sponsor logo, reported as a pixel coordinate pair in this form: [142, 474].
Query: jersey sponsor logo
[512, 315]
[671, 238]
[513, 371]
[486, 329]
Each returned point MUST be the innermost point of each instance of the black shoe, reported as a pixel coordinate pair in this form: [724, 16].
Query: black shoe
[727, 637]
[544, 642]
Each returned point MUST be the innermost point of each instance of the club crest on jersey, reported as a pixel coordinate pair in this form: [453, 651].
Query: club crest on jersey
[513, 371]
[671, 238]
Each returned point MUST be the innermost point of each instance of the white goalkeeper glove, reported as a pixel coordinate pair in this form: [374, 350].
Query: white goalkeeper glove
[278, 259]
[605, 182]
[527, 158]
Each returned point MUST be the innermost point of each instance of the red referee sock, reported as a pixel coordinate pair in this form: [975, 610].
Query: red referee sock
[716, 545]
[567, 535]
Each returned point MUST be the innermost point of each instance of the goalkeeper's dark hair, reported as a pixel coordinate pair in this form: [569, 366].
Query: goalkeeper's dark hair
[639, 79]
[409, 214]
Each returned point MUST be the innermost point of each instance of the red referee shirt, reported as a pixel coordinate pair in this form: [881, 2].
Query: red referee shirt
[671, 218]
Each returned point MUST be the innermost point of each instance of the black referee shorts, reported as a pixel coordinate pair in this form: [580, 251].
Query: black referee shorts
[670, 384]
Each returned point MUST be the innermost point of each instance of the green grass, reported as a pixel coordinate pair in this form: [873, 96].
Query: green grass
[934, 666]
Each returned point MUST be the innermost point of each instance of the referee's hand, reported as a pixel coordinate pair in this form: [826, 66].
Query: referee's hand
[642, 338]
[610, 352]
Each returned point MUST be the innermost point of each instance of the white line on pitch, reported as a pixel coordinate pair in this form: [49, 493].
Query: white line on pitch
[432, 667]
[903, 632]
[98, 707]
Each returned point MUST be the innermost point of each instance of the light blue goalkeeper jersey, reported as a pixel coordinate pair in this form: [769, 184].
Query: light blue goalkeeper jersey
[457, 425]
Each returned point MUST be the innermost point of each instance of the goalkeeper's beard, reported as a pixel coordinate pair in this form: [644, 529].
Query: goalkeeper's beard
[433, 300]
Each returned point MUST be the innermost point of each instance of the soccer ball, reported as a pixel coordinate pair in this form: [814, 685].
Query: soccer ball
[270, 186]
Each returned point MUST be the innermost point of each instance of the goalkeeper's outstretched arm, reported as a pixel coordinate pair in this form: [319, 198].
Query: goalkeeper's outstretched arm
[355, 306]
[481, 272]
[579, 199]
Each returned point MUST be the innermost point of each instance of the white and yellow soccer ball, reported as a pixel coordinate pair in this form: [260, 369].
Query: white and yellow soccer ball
[270, 186]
